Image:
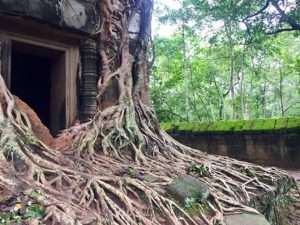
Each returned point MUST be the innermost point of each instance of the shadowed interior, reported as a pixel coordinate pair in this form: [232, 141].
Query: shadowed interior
[37, 77]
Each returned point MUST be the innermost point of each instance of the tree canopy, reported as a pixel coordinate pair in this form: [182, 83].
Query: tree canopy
[222, 62]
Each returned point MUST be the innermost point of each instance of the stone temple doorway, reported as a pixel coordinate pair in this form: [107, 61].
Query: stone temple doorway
[38, 78]
[43, 74]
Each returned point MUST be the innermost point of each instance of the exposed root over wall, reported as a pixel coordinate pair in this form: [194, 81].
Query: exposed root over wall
[117, 166]
[39, 129]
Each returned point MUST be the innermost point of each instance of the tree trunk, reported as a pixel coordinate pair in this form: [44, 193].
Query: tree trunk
[281, 92]
[231, 69]
[264, 99]
[185, 71]
[242, 96]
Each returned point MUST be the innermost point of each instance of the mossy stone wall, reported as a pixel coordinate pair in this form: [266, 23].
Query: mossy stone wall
[271, 142]
[280, 125]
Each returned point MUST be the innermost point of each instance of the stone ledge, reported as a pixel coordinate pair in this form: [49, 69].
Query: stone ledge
[77, 15]
[278, 125]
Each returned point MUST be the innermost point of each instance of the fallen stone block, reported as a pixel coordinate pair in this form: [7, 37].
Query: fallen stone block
[186, 187]
[246, 219]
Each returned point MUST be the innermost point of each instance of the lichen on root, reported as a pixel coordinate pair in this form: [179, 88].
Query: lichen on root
[90, 181]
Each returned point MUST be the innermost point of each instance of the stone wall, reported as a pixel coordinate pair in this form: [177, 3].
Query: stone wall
[281, 150]
[271, 147]
[79, 15]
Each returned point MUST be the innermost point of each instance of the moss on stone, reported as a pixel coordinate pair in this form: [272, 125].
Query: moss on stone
[248, 124]
[258, 125]
[281, 123]
[222, 126]
[263, 125]
[238, 126]
[168, 127]
[201, 126]
[293, 123]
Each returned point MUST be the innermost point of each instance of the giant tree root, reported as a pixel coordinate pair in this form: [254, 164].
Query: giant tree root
[291, 213]
[39, 129]
[93, 183]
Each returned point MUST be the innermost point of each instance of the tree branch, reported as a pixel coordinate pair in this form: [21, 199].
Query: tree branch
[259, 11]
[293, 23]
[280, 31]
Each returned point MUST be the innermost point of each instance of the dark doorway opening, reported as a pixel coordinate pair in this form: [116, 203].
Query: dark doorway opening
[38, 78]
[31, 82]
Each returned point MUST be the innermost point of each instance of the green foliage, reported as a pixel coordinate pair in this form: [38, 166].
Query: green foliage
[131, 171]
[10, 218]
[200, 170]
[21, 208]
[189, 202]
[15, 216]
[212, 68]
[35, 194]
[34, 211]
[194, 207]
